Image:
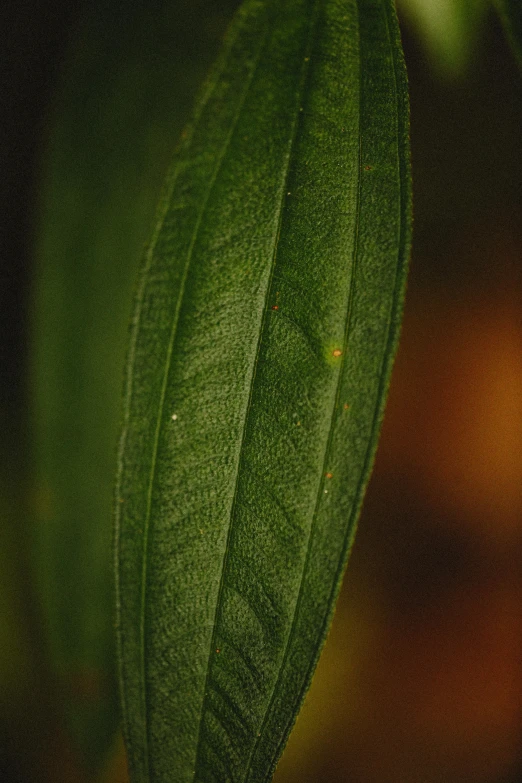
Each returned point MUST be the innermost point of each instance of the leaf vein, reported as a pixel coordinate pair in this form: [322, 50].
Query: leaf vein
[266, 313]
[132, 352]
[392, 337]
[349, 310]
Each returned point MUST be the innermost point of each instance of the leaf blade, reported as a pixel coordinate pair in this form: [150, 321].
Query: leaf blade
[276, 382]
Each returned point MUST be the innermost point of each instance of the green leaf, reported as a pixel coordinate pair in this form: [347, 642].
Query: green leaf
[510, 12]
[114, 115]
[449, 30]
[266, 321]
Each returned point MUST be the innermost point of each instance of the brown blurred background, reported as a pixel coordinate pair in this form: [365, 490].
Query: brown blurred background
[421, 678]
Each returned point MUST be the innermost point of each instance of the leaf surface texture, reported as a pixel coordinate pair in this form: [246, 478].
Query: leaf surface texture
[266, 321]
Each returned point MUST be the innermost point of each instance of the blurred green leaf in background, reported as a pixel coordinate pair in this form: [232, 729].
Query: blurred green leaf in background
[450, 30]
[122, 98]
[511, 15]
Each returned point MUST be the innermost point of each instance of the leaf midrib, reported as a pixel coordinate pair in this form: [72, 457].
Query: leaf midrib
[161, 406]
[327, 446]
[383, 379]
[293, 135]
